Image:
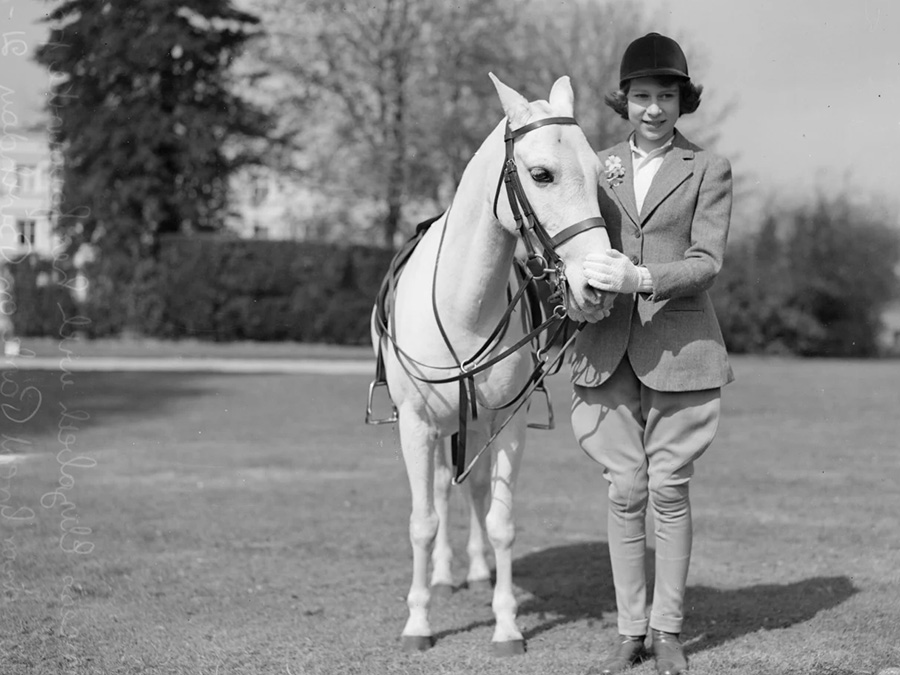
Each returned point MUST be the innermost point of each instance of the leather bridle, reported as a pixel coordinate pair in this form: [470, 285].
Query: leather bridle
[537, 266]
[527, 222]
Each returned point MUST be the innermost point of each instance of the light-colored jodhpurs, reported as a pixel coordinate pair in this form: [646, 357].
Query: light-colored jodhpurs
[647, 442]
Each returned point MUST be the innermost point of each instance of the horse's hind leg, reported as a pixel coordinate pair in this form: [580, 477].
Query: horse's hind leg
[442, 556]
[501, 531]
[419, 444]
[477, 487]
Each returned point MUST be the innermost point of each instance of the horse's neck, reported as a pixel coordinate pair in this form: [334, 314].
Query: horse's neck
[477, 253]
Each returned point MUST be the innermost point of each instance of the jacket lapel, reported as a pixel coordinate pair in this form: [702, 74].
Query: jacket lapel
[624, 191]
[677, 166]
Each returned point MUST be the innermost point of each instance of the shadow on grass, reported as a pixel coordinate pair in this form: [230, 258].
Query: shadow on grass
[37, 403]
[574, 582]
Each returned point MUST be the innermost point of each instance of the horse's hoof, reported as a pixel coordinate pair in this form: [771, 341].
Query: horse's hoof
[479, 585]
[416, 643]
[508, 648]
[441, 591]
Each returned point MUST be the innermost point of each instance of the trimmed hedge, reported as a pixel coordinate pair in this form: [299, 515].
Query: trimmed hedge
[233, 289]
[43, 303]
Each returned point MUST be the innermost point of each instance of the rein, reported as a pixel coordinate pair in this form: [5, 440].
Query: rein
[537, 267]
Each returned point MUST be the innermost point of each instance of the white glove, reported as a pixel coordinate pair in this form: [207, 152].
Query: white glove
[614, 272]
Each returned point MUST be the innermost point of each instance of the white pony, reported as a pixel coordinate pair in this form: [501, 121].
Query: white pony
[449, 297]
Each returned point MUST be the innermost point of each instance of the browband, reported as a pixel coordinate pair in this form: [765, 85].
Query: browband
[510, 135]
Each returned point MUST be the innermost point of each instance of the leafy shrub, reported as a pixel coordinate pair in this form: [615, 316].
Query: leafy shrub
[231, 289]
[43, 302]
[813, 281]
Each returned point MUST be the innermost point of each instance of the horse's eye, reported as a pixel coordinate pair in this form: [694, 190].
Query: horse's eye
[541, 175]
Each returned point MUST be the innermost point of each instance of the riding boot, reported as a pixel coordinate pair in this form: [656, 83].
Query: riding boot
[629, 652]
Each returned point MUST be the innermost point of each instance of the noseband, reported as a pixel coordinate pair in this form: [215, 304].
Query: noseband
[548, 261]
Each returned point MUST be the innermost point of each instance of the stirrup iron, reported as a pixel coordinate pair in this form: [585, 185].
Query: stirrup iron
[550, 424]
[370, 419]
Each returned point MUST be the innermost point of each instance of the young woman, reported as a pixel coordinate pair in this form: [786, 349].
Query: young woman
[647, 379]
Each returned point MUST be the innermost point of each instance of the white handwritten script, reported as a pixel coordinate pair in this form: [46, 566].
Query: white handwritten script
[27, 404]
[17, 404]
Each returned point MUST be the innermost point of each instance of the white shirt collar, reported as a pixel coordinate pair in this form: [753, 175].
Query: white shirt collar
[653, 153]
[646, 165]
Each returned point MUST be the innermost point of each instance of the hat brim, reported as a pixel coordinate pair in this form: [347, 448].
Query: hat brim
[656, 72]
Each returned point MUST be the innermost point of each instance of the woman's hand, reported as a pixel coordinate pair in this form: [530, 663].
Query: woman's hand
[612, 271]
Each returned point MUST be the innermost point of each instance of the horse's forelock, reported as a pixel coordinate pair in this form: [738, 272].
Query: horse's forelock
[537, 110]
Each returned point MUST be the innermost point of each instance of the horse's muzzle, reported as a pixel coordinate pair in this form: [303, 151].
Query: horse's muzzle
[595, 305]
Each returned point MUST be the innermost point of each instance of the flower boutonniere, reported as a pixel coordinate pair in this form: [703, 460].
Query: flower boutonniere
[615, 172]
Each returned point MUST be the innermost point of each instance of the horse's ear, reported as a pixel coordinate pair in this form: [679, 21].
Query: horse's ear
[562, 98]
[514, 104]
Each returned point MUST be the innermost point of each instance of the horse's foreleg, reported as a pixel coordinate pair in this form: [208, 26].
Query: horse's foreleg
[442, 556]
[501, 530]
[478, 486]
[418, 443]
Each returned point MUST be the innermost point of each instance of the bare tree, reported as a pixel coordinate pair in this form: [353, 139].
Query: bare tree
[584, 39]
[383, 102]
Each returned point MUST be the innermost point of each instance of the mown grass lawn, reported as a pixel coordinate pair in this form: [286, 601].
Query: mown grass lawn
[199, 523]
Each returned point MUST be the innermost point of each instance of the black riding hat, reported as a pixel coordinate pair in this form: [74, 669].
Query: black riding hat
[653, 54]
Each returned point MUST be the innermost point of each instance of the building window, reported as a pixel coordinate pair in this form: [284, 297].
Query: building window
[26, 230]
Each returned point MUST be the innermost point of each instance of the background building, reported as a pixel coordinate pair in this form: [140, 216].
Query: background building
[25, 209]
[25, 198]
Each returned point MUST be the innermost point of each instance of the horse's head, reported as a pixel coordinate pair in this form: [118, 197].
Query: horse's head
[558, 174]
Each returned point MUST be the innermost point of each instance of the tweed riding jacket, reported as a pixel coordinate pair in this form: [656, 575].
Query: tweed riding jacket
[672, 336]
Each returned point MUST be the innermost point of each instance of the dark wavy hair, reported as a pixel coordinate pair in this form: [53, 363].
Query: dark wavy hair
[688, 95]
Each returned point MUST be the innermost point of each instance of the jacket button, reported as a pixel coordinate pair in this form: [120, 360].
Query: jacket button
[634, 259]
[637, 234]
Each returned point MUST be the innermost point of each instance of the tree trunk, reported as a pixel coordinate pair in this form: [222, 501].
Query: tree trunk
[396, 170]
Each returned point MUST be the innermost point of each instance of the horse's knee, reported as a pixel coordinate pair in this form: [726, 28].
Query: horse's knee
[501, 530]
[442, 478]
[423, 530]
